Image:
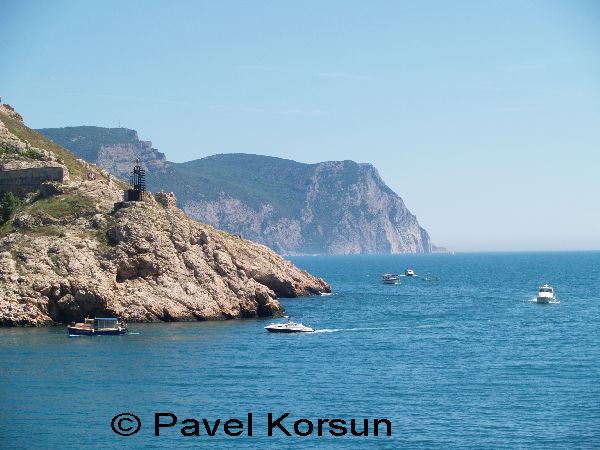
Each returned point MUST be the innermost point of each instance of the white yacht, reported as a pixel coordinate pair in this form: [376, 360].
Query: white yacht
[288, 327]
[546, 294]
[409, 273]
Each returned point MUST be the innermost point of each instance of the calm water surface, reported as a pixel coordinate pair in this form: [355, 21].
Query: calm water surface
[468, 361]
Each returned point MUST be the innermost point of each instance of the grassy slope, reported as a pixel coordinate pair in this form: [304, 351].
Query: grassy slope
[60, 206]
[76, 170]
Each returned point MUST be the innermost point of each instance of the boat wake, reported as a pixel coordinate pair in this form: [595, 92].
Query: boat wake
[551, 302]
[335, 330]
[438, 325]
[326, 294]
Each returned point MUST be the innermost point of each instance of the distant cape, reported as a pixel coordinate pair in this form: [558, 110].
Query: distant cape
[333, 207]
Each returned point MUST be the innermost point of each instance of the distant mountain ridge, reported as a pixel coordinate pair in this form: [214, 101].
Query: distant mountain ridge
[333, 207]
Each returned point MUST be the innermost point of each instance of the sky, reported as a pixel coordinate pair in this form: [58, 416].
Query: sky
[483, 116]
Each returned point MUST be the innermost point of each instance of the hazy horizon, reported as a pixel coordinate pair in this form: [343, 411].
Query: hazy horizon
[483, 117]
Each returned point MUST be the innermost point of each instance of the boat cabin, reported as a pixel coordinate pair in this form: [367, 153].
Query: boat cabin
[104, 323]
[546, 288]
[98, 325]
[390, 278]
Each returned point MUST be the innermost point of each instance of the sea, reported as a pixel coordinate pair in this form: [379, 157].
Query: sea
[459, 356]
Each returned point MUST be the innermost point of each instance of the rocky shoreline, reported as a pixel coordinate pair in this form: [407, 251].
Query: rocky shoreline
[73, 253]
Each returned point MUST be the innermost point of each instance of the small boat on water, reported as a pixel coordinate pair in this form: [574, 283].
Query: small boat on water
[546, 294]
[409, 273]
[288, 327]
[98, 326]
[390, 278]
[431, 278]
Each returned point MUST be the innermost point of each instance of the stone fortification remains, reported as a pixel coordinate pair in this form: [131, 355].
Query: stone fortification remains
[21, 178]
[24, 168]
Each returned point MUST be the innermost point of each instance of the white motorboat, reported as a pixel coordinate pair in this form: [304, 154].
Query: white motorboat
[390, 278]
[546, 294]
[409, 273]
[288, 327]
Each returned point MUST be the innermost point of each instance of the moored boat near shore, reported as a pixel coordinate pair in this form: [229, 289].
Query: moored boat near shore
[98, 326]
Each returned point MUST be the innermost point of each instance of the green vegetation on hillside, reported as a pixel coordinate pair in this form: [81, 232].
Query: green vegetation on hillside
[252, 179]
[88, 140]
[76, 169]
[9, 203]
[28, 153]
[61, 206]
[56, 207]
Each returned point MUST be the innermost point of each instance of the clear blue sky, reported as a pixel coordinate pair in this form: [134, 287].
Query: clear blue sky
[484, 116]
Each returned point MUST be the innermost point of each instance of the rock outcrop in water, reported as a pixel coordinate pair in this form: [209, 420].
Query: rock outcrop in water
[66, 253]
[334, 207]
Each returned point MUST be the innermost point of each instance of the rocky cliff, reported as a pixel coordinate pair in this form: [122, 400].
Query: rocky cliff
[335, 207]
[113, 149]
[67, 252]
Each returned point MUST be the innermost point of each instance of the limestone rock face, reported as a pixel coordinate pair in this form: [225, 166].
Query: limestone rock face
[117, 158]
[9, 141]
[10, 112]
[166, 199]
[156, 264]
[68, 254]
[336, 207]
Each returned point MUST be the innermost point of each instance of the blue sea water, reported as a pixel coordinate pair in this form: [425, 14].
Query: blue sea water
[468, 361]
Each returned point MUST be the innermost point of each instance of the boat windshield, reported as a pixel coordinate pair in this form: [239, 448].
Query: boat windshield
[546, 290]
[101, 324]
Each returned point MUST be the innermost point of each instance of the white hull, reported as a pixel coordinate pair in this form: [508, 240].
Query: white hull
[546, 294]
[288, 328]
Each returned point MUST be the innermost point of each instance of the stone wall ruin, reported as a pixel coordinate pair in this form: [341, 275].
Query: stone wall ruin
[21, 181]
